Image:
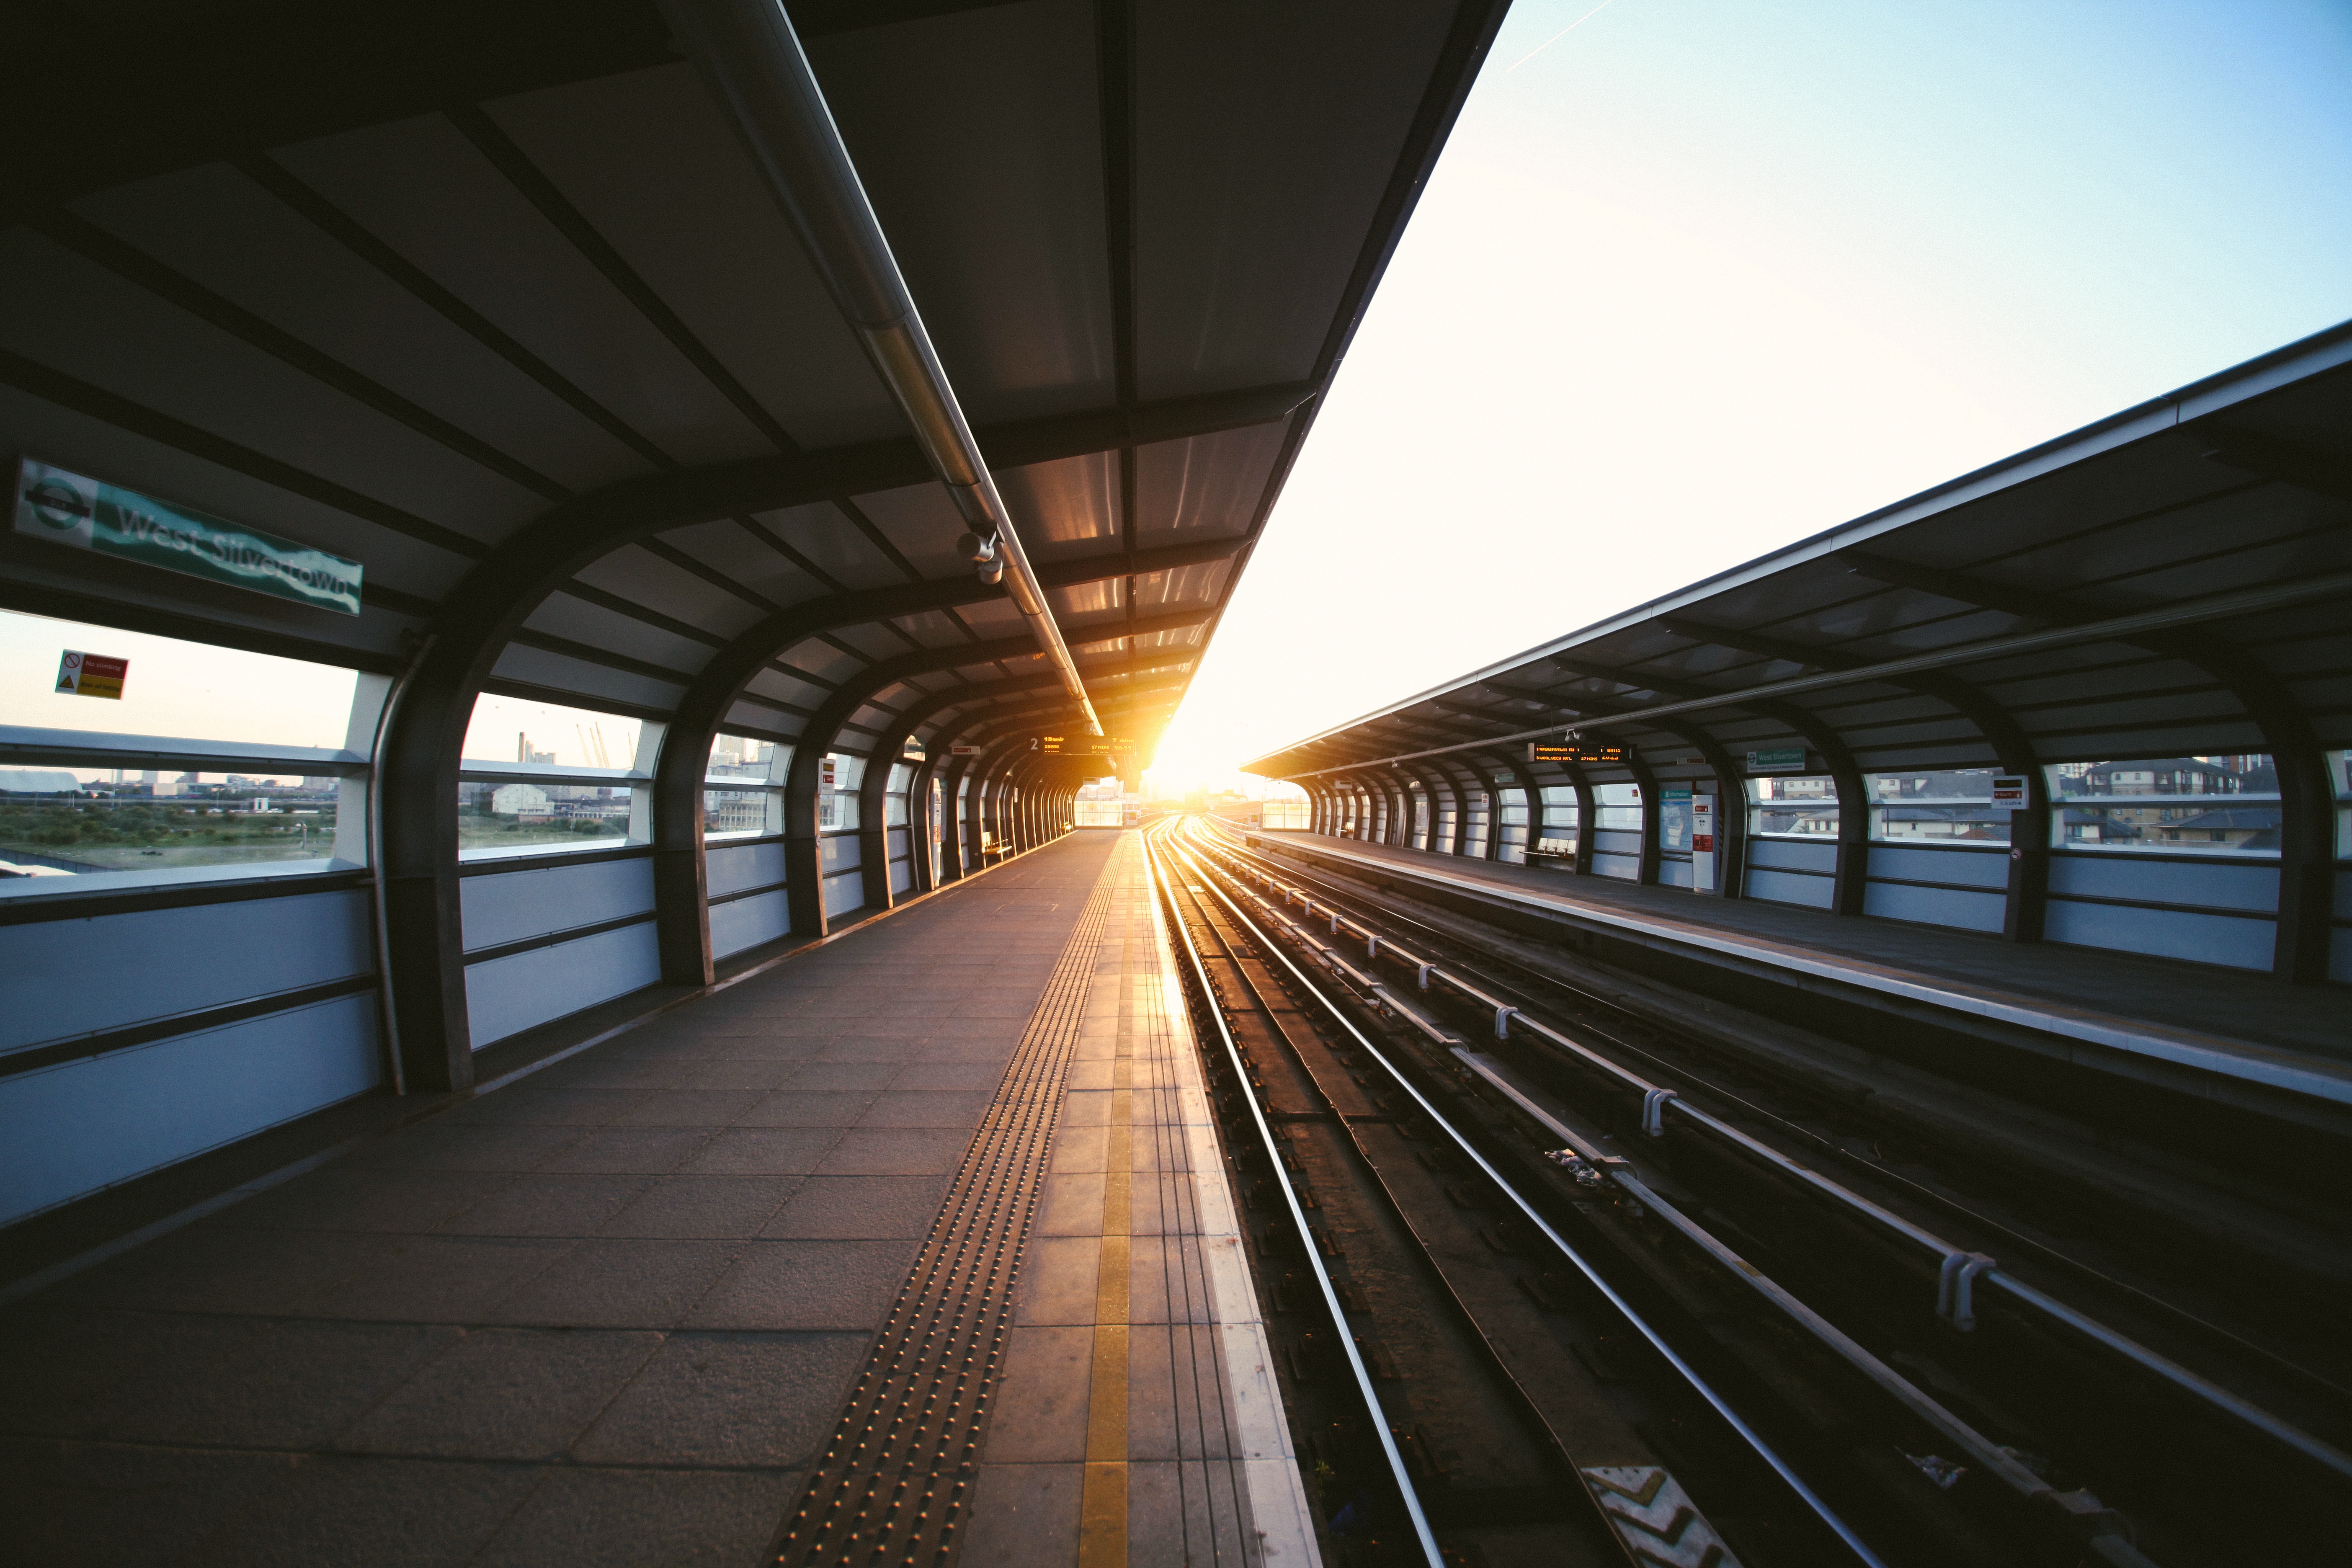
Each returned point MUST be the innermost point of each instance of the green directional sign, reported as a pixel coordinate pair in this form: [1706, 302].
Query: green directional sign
[88, 514]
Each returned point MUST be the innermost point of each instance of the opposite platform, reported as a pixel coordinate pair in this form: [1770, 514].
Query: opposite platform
[2210, 1020]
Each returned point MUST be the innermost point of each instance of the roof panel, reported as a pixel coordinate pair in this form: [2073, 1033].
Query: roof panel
[922, 524]
[1265, 139]
[736, 553]
[643, 578]
[824, 538]
[1066, 509]
[218, 228]
[94, 326]
[1207, 487]
[977, 137]
[646, 156]
[422, 188]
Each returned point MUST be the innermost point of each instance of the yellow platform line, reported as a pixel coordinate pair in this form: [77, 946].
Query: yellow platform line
[1102, 1507]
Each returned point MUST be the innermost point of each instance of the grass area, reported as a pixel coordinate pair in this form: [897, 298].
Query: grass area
[481, 830]
[130, 837]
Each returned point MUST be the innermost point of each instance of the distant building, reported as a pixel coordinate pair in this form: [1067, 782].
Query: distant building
[519, 800]
[38, 781]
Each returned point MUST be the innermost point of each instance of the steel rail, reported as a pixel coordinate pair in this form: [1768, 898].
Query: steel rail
[2179, 1317]
[1666, 1100]
[1690, 1375]
[1298, 1221]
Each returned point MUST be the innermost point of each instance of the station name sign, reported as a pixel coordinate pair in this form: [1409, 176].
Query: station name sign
[1574, 752]
[84, 513]
[1082, 746]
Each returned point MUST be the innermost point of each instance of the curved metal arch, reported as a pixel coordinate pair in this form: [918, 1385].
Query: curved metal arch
[824, 728]
[873, 805]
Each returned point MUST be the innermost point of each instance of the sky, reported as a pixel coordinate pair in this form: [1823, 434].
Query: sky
[1695, 279]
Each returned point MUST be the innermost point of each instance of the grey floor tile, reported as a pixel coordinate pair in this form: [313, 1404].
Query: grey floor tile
[765, 1074]
[439, 1145]
[1175, 1394]
[201, 1269]
[503, 1393]
[1006, 1026]
[615, 1284]
[419, 1513]
[1057, 1280]
[384, 1201]
[888, 1046]
[604, 1069]
[1165, 1281]
[849, 1209]
[995, 1053]
[763, 1152]
[729, 1399]
[780, 1025]
[793, 1106]
[807, 1285]
[94, 1505]
[1079, 1151]
[289, 1386]
[765, 1048]
[1025, 1515]
[66, 1372]
[439, 1278]
[688, 1108]
[862, 1076]
[628, 1150]
[895, 1151]
[602, 1518]
[947, 1075]
[1090, 1075]
[1086, 1108]
[928, 1108]
[1041, 1399]
[710, 1207]
[532, 1103]
[1178, 1515]
[1071, 1205]
[549, 1205]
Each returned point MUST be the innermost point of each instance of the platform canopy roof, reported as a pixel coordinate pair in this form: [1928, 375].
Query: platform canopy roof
[490, 297]
[2174, 580]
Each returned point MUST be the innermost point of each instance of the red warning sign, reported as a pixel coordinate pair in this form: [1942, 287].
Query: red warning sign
[92, 675]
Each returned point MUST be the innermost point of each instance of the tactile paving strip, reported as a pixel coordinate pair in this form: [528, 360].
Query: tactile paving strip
[897, 1476]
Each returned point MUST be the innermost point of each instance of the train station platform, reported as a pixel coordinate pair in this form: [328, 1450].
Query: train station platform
[947, 1177]
[2100, 1006]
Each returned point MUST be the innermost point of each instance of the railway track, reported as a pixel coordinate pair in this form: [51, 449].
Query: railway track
[1675, 1313]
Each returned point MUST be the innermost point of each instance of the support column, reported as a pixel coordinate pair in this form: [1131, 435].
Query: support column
[1652, 850]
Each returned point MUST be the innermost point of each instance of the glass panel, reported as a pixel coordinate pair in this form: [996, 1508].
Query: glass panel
[742, 813]
[1954, 807]
[1617, 807]
[548, 815]
[75, 821]
[173, 688]
[2174, 805]
[509, 730]
[836, 791]
[740, 757]
[1793, 807]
